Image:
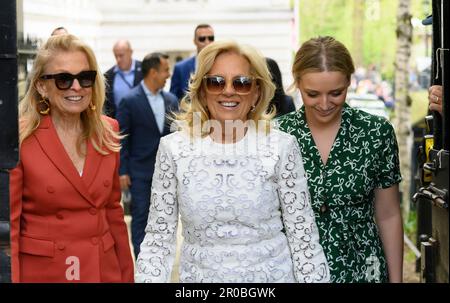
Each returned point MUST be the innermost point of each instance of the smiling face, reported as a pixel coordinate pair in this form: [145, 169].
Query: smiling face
[162, 73]
[74, 100]
[228, 104]
[323, 95]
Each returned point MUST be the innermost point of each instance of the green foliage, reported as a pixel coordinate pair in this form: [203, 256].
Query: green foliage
[419, 106]
[327, 17]
[410, 230]
[380, 39]
[410, 225]
[378, 32]
[409, 256]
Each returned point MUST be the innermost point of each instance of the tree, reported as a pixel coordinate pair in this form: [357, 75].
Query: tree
[402, 118]
[366, 27]
[358, 32]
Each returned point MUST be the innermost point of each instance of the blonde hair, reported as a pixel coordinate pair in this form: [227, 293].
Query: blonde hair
[322, 54]
[193, 102]
[95, 128]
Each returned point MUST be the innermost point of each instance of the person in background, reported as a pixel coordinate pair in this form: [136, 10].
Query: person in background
[61, 30]
[203, 35]
[283, 103]
[352, 163]
[435, 98]
[241, 191]
[122, 77]
[142, 119]
[67, 224]
[435, 91]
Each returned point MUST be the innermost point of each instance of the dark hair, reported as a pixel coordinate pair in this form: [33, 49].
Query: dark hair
[203, 25]
[280, 98]
[152, 60]
[276, 75]
[322, 54]
[59, 28]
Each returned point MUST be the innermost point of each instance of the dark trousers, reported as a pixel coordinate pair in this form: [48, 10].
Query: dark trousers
[140, 203]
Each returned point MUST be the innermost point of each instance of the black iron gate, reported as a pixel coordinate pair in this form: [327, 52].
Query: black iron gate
[432, 197]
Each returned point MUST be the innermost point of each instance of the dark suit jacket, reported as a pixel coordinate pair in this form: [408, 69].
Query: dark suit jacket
[180, 77]
[110, 107]
[57, 215]
[137, 121]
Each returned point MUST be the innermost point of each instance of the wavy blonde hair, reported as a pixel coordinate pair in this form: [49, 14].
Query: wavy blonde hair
[193, 102]
[95, 128]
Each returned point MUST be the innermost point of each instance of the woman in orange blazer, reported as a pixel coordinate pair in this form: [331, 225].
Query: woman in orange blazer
[67, 224]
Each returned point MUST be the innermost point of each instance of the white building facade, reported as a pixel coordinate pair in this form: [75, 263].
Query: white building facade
[168, 25]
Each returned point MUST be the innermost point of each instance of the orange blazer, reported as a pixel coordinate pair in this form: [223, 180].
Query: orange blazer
[67, 228]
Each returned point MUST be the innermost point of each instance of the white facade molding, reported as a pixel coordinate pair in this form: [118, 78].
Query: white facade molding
[168, 25]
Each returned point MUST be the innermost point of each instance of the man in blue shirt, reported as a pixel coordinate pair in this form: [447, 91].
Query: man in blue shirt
[142, 118]
[122, 77]
[203, 35]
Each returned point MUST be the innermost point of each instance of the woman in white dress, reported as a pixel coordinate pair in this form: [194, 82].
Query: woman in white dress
[239, 186]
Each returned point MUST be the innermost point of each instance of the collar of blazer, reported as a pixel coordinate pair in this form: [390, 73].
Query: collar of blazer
[51, 145]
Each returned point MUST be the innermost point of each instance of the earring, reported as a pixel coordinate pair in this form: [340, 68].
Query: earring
[92, 106]
[253, 108]
[44, 106]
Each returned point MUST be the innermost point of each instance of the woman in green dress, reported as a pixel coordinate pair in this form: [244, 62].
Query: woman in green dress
[352, 165]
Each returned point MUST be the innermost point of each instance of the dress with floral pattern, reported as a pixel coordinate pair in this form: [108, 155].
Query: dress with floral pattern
[363, 157]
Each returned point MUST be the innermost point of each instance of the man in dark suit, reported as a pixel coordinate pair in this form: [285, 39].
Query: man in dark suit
[142, 118]
[203, 35]
[122, 77]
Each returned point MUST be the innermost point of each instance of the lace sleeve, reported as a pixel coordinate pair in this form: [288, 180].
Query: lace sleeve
[156, 258]
[310, 264]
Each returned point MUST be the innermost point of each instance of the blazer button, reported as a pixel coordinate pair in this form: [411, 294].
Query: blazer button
[61, 246]
[106, 183]
[94, 240]
[324, 208]
[92, 211]
[50, 189]
[59, 216]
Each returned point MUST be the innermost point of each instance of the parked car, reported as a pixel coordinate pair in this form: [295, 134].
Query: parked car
[369, 103]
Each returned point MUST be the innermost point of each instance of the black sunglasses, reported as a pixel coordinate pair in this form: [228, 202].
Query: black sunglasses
[64, 81]
[203, 38]
[242, 85]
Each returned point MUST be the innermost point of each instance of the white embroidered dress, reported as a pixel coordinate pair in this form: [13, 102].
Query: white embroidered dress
[245, 212]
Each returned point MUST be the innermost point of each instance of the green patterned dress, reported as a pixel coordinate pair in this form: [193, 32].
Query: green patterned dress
[364, 157]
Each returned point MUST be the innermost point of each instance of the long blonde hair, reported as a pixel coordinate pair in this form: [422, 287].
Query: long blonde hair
[95, 128]
[193, 101]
